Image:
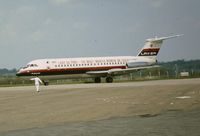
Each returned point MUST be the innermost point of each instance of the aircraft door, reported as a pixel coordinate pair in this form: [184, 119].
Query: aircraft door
[48, 65]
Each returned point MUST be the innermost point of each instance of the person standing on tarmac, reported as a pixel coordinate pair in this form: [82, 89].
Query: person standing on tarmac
[37, 83]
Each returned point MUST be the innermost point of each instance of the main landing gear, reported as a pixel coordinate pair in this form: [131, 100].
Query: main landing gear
[108, 79]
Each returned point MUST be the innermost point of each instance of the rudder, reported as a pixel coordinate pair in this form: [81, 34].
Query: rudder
[152, 46]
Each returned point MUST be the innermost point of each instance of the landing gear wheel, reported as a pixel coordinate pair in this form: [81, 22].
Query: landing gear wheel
[109, 79]
[97, 80]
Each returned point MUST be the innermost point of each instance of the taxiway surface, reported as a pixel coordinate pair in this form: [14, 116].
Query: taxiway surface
[163, 107]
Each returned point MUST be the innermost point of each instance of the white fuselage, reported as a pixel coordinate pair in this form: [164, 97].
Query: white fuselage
[98, 66]
[82, 65]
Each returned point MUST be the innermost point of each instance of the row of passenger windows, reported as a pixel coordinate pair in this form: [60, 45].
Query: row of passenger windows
[89, 64]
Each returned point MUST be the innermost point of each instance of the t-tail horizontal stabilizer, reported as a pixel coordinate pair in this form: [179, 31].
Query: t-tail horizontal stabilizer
[153, 45]
[162, 38]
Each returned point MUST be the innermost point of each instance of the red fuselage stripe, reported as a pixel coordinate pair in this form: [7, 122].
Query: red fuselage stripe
[151, 49]
[73, 70]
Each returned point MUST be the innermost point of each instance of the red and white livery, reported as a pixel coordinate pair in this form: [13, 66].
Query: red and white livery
[97, 66]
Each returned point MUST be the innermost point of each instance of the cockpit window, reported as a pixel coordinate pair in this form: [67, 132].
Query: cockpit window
[31, 65]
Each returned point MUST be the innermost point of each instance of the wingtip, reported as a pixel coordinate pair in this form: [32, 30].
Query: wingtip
[179, 35]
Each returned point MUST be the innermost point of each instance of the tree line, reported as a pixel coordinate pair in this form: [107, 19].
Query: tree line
[6, 72]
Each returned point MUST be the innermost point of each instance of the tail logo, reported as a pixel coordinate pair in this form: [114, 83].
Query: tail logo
[153, 45]
[149, 52]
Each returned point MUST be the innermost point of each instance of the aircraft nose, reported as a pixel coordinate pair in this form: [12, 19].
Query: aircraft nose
[18, 74]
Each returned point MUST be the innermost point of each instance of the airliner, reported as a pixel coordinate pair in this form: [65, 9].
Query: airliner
[98, 67]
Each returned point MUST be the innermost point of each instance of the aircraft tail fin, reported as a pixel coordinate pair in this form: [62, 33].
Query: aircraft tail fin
[153, 45]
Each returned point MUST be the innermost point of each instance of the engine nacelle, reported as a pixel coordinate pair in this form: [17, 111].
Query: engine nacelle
[140, 63]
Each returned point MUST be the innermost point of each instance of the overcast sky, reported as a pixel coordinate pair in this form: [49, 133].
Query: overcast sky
[32, 29]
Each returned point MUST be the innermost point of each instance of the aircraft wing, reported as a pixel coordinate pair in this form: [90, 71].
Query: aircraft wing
[98, 73]
[119, 71]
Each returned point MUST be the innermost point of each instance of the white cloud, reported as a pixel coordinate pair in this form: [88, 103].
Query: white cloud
[21, 25]
[60, 2]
